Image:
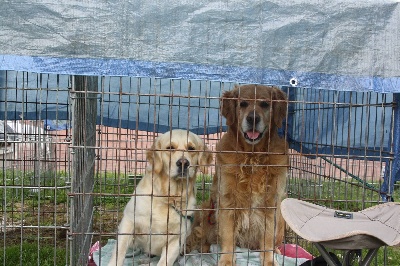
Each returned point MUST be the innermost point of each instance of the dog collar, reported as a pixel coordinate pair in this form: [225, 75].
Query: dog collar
[188, 217]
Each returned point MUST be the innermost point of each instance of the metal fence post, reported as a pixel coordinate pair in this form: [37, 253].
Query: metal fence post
[84, 101]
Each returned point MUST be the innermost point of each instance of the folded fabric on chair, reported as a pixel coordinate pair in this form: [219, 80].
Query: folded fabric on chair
[370, 228]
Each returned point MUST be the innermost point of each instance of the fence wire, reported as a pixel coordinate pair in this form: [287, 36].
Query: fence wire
[74, 149]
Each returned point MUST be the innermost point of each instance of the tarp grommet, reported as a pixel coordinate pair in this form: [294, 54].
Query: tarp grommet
[293, 82]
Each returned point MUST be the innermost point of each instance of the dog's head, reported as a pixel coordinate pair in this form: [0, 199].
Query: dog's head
[178, 154]
[254, 110]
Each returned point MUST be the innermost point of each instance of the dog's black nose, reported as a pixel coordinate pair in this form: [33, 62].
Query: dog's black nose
[183, 164]
[253, 119]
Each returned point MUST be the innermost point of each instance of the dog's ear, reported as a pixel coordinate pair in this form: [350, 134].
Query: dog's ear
[205, 156]
[205, 160]
[154, 157]
[279, 106]
[228, 105]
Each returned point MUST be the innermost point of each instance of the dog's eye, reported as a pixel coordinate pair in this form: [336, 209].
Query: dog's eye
[170, 148]
[244, 104]
[191, 148]
[264, 104]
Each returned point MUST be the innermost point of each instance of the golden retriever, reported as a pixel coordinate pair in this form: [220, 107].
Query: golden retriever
[251, 171]
[158, 217]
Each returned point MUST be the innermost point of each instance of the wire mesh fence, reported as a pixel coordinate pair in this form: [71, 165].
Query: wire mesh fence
[74, 151]
[35, 177]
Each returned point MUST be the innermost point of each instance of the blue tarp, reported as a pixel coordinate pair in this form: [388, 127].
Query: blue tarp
[319, 121]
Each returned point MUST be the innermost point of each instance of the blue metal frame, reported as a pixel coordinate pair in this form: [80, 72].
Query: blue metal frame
[392, 169]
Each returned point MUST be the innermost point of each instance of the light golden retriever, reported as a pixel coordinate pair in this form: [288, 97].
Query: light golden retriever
[158, 217]
[251, 172]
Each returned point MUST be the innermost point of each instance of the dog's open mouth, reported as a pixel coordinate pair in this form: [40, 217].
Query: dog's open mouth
[253, 135]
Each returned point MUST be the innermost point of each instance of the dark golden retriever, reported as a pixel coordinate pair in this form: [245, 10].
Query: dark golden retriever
[251, 171]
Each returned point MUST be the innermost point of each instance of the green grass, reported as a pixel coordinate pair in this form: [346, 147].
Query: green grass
[113, 189]
[112, 192]
[203, 185]
[392, 256]
[18, 185]
[30, 201]
[31, 254]
[23, 197]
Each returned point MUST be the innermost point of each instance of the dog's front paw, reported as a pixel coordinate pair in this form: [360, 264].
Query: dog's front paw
[227, 260]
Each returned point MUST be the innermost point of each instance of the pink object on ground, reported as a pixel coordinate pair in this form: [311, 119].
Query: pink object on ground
[294, 251]
[93, 249]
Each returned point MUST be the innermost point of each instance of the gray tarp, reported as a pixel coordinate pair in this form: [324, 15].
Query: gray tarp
[339, 45]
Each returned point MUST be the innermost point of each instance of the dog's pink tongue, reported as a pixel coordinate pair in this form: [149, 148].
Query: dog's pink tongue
[252, 135]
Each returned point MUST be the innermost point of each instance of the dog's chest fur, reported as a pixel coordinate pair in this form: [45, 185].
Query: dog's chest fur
[251, 194]
[159, 217]
[250, 186]
[250, 175]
